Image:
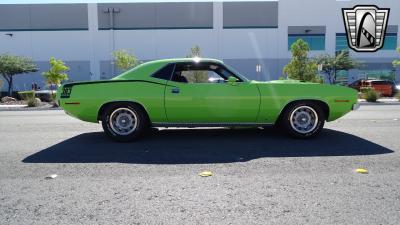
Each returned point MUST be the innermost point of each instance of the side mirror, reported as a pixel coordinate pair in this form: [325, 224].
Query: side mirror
[232, 80]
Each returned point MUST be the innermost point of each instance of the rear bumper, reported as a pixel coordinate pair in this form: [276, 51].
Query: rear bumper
[355, 106]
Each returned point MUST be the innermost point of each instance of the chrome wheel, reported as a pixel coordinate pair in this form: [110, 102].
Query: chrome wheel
[123, 121]
[304, 119]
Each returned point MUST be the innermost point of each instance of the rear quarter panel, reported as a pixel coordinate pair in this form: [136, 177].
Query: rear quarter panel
[275, 96]
[93, 95]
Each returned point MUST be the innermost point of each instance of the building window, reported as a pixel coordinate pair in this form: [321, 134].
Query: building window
[314, 41]
[342, 77]
[390, 41]
[341, 42]
[389, 44]
[379, 73]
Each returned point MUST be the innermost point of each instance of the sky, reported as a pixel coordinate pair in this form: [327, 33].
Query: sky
[109, 1]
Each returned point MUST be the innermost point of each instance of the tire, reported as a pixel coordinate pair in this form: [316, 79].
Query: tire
[303, 120]
[124, 122]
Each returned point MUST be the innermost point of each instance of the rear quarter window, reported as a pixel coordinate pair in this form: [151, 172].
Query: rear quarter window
[164, 73]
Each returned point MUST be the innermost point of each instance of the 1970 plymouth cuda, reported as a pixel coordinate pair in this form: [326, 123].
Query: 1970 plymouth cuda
[193, 92]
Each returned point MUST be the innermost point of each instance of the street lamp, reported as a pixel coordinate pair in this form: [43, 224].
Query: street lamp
[112, 11]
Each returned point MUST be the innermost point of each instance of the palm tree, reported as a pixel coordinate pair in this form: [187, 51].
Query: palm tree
[331, 64]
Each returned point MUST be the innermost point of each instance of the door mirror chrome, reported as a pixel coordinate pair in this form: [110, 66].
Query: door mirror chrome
[232, 80]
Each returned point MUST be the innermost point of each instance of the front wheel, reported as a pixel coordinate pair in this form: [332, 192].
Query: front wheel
[124, 122]
[303, 120]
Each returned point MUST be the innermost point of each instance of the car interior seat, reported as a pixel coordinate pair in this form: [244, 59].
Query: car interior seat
[179, 78]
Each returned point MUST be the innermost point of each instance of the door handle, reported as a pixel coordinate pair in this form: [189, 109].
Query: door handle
[175, 90]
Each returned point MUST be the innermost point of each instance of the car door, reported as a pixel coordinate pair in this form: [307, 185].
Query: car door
[200, 93]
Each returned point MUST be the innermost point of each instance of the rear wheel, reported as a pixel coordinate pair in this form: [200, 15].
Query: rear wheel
[124, 122]
[303, 120]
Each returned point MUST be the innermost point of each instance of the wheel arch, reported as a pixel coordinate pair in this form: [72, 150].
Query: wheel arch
[106, 104]
[324, 106]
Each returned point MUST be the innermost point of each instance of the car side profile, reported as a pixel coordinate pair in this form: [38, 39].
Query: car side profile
[193, 92]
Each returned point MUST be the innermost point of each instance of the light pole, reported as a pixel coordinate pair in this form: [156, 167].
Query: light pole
[112, 11]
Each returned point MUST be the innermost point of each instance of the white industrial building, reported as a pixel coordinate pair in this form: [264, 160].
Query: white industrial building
[252, 36]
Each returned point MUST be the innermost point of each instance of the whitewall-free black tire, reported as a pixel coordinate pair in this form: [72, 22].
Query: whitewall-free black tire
[303, 119]
[124, 121]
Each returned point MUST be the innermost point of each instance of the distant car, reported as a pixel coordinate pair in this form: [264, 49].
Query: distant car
[202, 93]
[384, 87]
[45, 95]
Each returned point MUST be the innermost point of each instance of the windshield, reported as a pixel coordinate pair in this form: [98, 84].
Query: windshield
[236, 72]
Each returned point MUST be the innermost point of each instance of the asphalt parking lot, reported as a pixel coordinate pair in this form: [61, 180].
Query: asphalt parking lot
[260, 177]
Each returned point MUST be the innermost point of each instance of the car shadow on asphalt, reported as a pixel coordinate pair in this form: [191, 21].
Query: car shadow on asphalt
[196, 146]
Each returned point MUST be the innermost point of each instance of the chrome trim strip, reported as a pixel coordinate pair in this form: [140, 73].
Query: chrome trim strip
[209, 124]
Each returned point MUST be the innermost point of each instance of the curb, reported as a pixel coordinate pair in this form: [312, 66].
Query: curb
[8, 109]
[378, 103]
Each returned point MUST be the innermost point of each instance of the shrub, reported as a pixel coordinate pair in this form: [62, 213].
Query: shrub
[370, 94]
[300, 66]
[56, 73]
[26, 95]
[398, 96]
[281, 78]
[125, 60]
[33, 102]
[365, 89]
[29, 97]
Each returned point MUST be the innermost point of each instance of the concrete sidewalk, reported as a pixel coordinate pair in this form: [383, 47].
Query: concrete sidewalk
[13, 106]
[381, 101]
[26, 108]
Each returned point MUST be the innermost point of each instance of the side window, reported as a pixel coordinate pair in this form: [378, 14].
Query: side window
[165, 72]
[201, 76]
[200, 73]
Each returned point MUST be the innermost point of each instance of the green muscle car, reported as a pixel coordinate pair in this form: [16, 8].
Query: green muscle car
[193, 92]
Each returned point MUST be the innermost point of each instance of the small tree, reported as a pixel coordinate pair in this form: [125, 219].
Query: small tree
[301, 67]
[331, 64]
[11, 65]
[198, 76]
[396, 62]
[125, 60]
[56, 74]
[195, 51]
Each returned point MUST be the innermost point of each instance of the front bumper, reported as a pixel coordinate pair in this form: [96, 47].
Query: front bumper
[355, 106]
